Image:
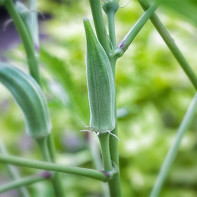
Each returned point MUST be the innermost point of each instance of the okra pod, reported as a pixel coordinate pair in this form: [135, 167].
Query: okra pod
[100, 82]
[29, 98]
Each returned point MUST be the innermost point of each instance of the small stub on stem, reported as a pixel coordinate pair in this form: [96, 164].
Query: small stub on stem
[98, 132]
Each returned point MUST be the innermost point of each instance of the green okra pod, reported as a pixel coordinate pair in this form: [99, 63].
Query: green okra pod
[100, 82]
[30, 99]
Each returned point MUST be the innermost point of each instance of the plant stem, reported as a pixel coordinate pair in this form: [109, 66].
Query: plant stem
[95, 153]
[44, 149]
[127, 40]
[104, 143]
[174, 148]
[98, 175]
[100, 24]
[57, 178]
[34, 25]
[51, 148]
[13, 171]
[107, 163]
[43, 144]
[111, 28]
[114, 184]
[25, 37]
[171, 44]
[23, 182]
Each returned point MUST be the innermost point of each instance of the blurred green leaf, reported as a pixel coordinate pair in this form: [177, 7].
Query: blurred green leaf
[62, 74]
[185, 8]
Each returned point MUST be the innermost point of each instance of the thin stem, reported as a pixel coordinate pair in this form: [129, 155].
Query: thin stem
[115, 185]
[43, 144]
[23, 182]
[44, 149]
[174, 148]
[13, 171]
[25, 37]
[107, 163]
[95, 152]
[127, 40]
[51, 148]
[171, 44]
[57, 179]
[104, 142]
[111, 28]
[34, 25]
[100, 24]
[98, 175]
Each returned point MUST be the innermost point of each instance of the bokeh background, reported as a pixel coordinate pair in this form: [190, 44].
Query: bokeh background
[153, 94]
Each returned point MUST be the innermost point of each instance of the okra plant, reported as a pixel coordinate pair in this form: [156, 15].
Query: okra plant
[102, 53]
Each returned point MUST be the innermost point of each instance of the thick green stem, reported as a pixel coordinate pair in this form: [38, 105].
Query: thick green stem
[95, 152]
[127, 40]
[171, 44]
[102, 176]
[25, 181]
[104, 143]
[115, 185]
[100, 25]
[57, 184]
[107, 163]
[25, 37]
[13, 172]
[174, 148]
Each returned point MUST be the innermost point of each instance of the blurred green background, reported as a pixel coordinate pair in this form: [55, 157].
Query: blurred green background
[153, 94]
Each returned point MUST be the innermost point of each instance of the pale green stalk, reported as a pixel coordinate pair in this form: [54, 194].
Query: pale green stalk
[34, 24]
[26, 39]
[127, 40]
[174, 148]
[33, 67]
[111, 28]
[58, 188]
[100, 25]
[115, 184]
[104, 143]
[171, 44]
[19, 183]
[57, 177]
[13, 171]
[95, 153]
[104, 176]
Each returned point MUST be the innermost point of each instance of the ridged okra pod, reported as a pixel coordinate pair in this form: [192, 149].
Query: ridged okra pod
[100, 82]
[30, 99]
